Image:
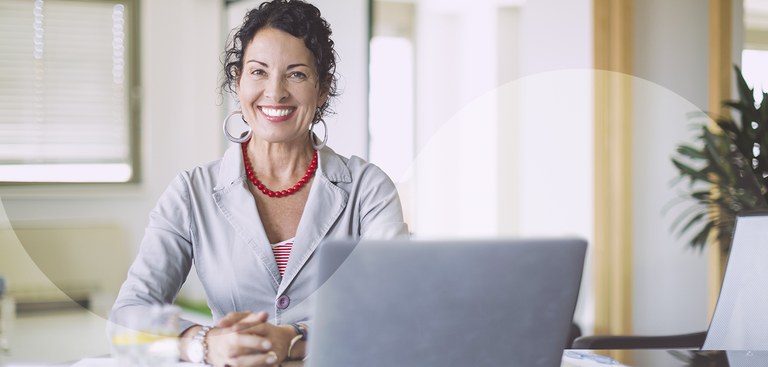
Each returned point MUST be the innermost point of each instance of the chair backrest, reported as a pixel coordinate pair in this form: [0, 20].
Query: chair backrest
[740, 321]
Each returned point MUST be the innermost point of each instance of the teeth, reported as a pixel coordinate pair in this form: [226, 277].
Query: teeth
[276, 112]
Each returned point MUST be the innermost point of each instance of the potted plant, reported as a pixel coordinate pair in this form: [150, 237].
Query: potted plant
[727, 172]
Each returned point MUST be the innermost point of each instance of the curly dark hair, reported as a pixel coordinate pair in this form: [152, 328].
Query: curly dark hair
[299, 19]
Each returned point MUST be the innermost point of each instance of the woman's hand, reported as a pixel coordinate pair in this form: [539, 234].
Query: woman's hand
[247, 339]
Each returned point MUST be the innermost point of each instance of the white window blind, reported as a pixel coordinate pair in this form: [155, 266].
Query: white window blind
[65, 91]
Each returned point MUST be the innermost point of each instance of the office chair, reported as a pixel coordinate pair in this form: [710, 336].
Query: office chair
[573, 334]
[740, 321]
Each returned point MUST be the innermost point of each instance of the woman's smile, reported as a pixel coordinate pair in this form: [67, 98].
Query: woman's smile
[277, 113]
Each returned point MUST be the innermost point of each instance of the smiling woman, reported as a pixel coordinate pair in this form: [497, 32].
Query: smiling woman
[251, 220]
[69, 112]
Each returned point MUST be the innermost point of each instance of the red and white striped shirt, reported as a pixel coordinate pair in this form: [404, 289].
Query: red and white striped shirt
[282, 250]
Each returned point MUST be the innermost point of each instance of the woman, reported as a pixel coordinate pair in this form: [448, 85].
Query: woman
[251, 221]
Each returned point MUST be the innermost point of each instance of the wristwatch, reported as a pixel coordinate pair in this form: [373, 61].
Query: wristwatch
[301, 334]
[197, 350]
[300, 330]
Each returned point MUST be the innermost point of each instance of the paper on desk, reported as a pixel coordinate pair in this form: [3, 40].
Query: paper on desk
[582, 358]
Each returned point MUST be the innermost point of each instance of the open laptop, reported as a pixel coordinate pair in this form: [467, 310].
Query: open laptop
[445, 303]
[740, 320]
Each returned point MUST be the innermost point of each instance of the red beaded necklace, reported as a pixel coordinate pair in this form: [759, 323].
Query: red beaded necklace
[278, 194]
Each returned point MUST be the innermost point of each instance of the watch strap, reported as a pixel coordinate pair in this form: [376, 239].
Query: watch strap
[300, 330]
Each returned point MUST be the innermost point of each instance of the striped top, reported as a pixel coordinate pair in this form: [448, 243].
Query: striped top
[282, 250]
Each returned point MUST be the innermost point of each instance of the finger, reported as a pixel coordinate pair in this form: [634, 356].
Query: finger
[231, 319]
[266, 359]
[255, 318]
[259, 328]
[248, 344]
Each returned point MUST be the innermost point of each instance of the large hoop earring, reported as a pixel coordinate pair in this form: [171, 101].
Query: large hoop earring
[315, 144]
[244, 136]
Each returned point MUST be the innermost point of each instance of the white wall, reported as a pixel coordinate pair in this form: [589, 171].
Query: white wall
[555, 135]
[670, 54]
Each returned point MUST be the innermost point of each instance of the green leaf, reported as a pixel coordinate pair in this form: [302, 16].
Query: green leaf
[746, 94]
[688, 171]
[691, 152]
[700, 240]
[696, 218]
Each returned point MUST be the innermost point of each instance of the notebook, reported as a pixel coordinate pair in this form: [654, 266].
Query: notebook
[445, 303]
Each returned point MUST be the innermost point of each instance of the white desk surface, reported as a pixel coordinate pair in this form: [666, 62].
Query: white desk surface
[110, 362]
[78, 339]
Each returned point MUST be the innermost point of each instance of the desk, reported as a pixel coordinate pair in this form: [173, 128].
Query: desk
[685, 358]
[662, 358]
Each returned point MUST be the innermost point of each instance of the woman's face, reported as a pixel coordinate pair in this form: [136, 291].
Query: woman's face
[278, 87]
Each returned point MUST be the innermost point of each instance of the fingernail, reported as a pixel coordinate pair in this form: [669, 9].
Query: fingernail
[271, 359]
[266, 344]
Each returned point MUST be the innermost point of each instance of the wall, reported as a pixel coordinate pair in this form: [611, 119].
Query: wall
[671, 43]
[555, 133]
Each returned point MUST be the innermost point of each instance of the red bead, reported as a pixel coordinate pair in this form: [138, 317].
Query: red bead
[270, 194]
[291, 190]
[260, 186]
[278, 194]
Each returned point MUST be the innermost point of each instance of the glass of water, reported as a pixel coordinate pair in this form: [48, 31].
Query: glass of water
[147, 337]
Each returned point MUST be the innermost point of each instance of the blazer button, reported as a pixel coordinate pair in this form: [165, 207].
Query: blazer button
[283, 302]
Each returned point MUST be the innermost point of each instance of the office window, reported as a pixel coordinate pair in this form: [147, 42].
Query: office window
[68, 91]
[755, 73]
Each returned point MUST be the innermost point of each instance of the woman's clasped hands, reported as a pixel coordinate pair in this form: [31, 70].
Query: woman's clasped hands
[247, 339]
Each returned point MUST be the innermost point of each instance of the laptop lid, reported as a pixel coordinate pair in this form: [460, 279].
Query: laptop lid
[445, 303]
[740, 320]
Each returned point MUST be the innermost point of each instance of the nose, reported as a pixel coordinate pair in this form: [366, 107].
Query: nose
[276, 90]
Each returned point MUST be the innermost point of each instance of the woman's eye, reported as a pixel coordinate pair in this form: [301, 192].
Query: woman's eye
[258, 72]
[297, 75]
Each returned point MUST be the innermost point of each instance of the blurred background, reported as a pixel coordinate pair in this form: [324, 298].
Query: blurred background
[486, 113]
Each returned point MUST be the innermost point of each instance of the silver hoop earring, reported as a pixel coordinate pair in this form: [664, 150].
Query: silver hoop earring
[315, 144]
[243, 136]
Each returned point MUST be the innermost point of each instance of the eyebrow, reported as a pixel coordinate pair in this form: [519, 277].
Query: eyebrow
[291, 66]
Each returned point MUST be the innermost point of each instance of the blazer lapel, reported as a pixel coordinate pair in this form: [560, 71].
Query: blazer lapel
[237, 205]
[325, 203]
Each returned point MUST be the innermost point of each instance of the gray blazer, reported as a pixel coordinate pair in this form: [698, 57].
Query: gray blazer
[207, 216]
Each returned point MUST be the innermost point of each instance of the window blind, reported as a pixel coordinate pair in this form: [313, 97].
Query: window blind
[65, 91]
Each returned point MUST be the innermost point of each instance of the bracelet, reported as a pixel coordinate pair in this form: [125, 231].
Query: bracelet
[292, 344]
[201, 338]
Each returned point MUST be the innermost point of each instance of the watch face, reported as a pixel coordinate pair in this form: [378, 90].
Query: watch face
[195, 351]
